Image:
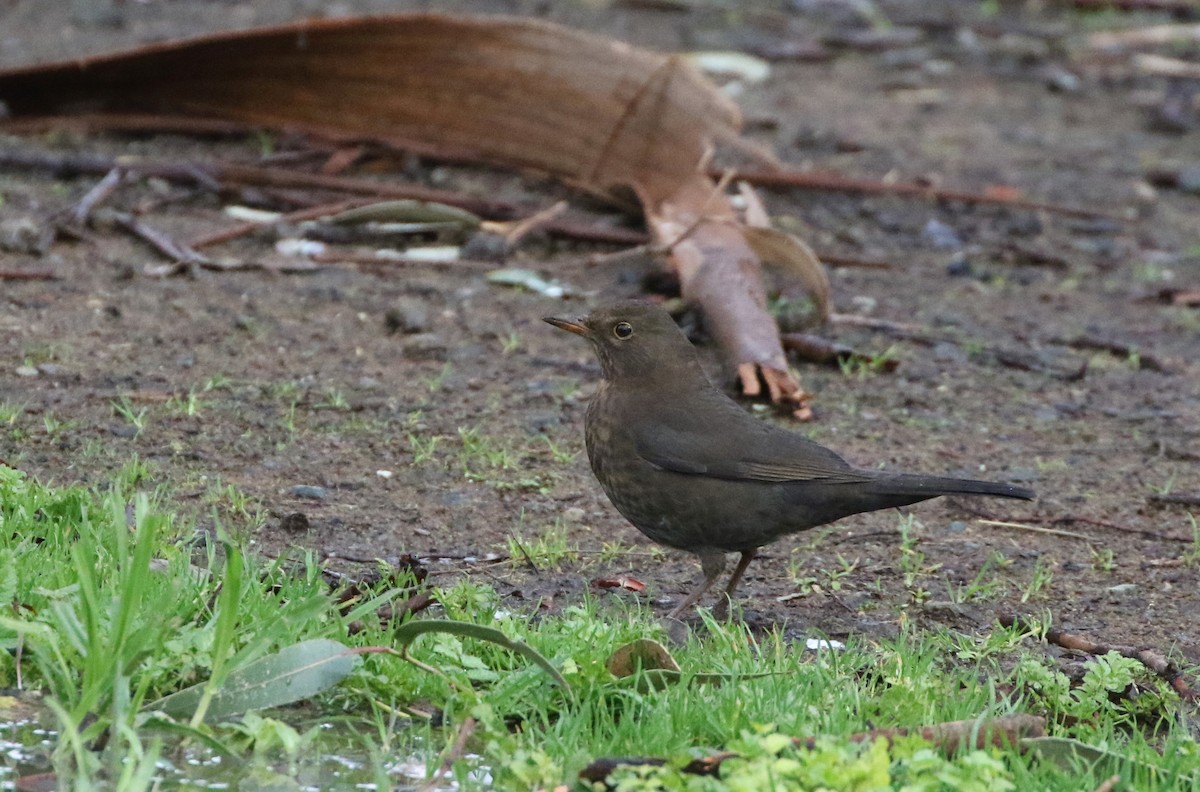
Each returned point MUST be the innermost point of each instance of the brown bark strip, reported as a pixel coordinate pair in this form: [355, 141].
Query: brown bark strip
[824, 180]
[1151, 659]
[947, 737]
[27, 275]
[1120, 349]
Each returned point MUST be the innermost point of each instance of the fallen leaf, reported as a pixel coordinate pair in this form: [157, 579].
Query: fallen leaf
[621, 582]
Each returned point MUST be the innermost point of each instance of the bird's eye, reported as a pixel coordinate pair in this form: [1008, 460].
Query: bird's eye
[622, 330]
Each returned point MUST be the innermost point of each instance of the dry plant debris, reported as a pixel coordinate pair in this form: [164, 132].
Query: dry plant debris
[601, 115]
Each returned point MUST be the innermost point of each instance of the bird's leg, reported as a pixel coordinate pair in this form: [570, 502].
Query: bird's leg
[712, 563]
[734, 579]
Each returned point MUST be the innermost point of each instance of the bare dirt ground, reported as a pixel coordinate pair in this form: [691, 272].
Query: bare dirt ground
[235, 388]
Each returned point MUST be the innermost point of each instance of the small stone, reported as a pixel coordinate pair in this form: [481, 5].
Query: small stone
[296, 522]
[957, 526]
[1189, 179]
[486, 246]
[1059, 79]
[940, 235]
[424, 346]
[51, 369]
[26, 371]
[408, 317]
[124, 430]
[1123, 590]
[21, 235]
[959, 267]
[947, 352]
[384, 474]
[573, 515]
[309, 491]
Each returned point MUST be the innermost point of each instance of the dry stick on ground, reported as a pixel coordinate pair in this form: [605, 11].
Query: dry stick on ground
[245, 229]
[817, 349]
[816, 180]
[162, 242]
[1172, 6]
[1177, 499]
[1153, 660]
[1120, 348]
[1024, 361]
[100, 192]
[211, 175]
[1070, 519]
[948, 737]
[18, 275]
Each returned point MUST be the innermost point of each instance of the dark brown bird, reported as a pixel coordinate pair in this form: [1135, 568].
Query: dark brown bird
[693, 470]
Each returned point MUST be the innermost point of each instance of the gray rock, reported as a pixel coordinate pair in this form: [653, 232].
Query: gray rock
[407, 316]
[310, 491]
[941, 236]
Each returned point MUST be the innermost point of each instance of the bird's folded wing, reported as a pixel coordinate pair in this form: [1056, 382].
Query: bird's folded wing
[772, 456]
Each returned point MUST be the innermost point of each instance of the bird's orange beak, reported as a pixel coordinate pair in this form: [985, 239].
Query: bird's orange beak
[571, 326]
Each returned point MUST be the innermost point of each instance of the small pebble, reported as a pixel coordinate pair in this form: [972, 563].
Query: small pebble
[959, 267]
[296, 522]
[574, 515]
[1189, 179]
[425, 346]
[21, 235]
[941, 236]
[1123, 590]
[946, 352]
[1059, 79]
[384, 474]
[309, 491]
[407, 316]
[26, 371]
[957, 526]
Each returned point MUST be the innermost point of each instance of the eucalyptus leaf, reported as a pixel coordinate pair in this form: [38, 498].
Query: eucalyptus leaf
[294, 673]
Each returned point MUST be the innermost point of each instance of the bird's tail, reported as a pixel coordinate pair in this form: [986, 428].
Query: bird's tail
[922, 487]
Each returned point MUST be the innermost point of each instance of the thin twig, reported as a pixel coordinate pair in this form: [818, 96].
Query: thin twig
[1154, 661]
[172, 249]
[1177, 499]
[453, 754]
[824, 180]
[1039, 529]
[18, 275]
[522, 228]
[101, 191]
[243, 229]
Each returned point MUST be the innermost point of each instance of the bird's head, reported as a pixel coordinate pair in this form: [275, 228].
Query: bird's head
[634, 340]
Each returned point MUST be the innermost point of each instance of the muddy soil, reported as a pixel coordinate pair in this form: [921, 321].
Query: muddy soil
[424, 410]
